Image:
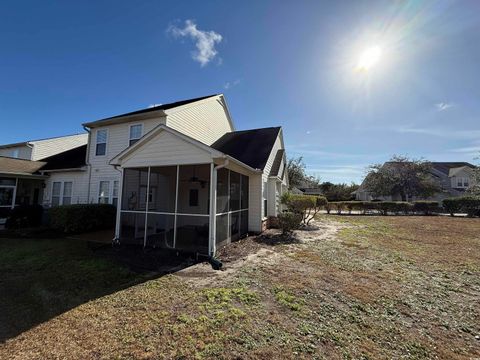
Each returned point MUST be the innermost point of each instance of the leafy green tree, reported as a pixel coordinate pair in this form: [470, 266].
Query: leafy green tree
[297, 175]
[338, 192]
[401, 176]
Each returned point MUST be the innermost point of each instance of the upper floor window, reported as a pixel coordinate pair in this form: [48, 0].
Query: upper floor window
[101, 146]
[135, 133]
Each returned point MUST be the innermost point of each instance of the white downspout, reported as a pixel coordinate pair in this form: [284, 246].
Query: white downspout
[87, 161]
[213, 207]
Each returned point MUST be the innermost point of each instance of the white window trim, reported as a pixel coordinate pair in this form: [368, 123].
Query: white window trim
[129, 129]
[14, 187]
[96, 142]
[110, 196]
[62, 186]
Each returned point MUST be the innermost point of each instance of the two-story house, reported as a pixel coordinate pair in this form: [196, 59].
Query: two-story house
[180, 175]
[452, 178]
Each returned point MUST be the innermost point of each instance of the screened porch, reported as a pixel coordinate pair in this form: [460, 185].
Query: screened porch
[172, 207]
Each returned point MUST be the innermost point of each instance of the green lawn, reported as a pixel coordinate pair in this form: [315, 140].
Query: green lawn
[41, 278]
[357, 288]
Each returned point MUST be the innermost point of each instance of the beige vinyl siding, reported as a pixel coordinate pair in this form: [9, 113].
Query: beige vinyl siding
[49, 147]
[79, 186]
[117, 141]
[255, 203]
[268, 191]
[24, 152]
[166, 149]
[206, 120]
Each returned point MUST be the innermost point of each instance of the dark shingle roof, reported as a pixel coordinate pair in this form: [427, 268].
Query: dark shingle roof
[277, 162]
[70, 159]
[19, 166]
[150, 109]
[444, 167]
[252, 147]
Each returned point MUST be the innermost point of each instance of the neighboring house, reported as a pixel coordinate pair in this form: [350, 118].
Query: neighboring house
[20, 182]
[180, 175]
[453, 178]
[40, 149]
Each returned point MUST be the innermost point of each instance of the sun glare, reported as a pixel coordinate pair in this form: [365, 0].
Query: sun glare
[369, 58]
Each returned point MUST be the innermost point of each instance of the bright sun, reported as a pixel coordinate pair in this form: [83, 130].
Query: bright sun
[369, 58]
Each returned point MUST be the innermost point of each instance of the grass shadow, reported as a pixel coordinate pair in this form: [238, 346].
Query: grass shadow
[43, 278]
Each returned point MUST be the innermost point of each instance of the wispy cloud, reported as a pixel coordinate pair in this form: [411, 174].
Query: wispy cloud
[442, 106]
[230, 84]
[205, 41]
[468, 150]
[450, 133]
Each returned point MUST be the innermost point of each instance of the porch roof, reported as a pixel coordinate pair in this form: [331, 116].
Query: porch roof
[20, 167]
[196, 149]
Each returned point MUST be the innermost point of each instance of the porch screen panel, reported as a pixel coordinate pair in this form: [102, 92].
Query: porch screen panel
[160, 230]
[243, 223]
[163, 182]
[132, 228]
[192, 233]
[234, 191]
[232, 206]
[194, 177]
[134, 189]
[222, 191]
[244, 192]
[235, 225]
[222, 231]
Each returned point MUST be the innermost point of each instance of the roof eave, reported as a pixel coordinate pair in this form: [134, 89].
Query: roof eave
[123, 119]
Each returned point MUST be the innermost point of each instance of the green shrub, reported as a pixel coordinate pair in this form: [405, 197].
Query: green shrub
[289, 221]
[82, 217]
[452, 205]
[24, 216]
[338, 206]
[306, 205]
[471, 205]
[426, 207]
[321, 201]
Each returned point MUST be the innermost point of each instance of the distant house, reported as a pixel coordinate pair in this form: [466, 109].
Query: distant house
[179, 174]
[453, 178]
[40, 149]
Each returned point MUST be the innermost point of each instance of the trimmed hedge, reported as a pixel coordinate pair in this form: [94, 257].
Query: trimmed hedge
[384, 207]
[466, 204]
[24, 216]
[82, 217]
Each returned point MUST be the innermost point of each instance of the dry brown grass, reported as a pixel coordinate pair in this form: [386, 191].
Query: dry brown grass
[382, 287]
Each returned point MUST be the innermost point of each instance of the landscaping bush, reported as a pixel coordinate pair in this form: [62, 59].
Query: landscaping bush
[426, 207]
[82, 217]
[452, 205]
[471, 205]
[289, 221]
[328, 207]
[306, 205]
[338, 206]
[24, 216]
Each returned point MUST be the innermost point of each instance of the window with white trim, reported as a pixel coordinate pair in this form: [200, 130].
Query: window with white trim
[67, 193]
[135, 133]
[62, 193]
[101, 142]
[108, 192]
[104, 192]
[115, 193]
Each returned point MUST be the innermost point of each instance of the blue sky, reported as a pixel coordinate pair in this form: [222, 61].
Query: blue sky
[289, 63]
